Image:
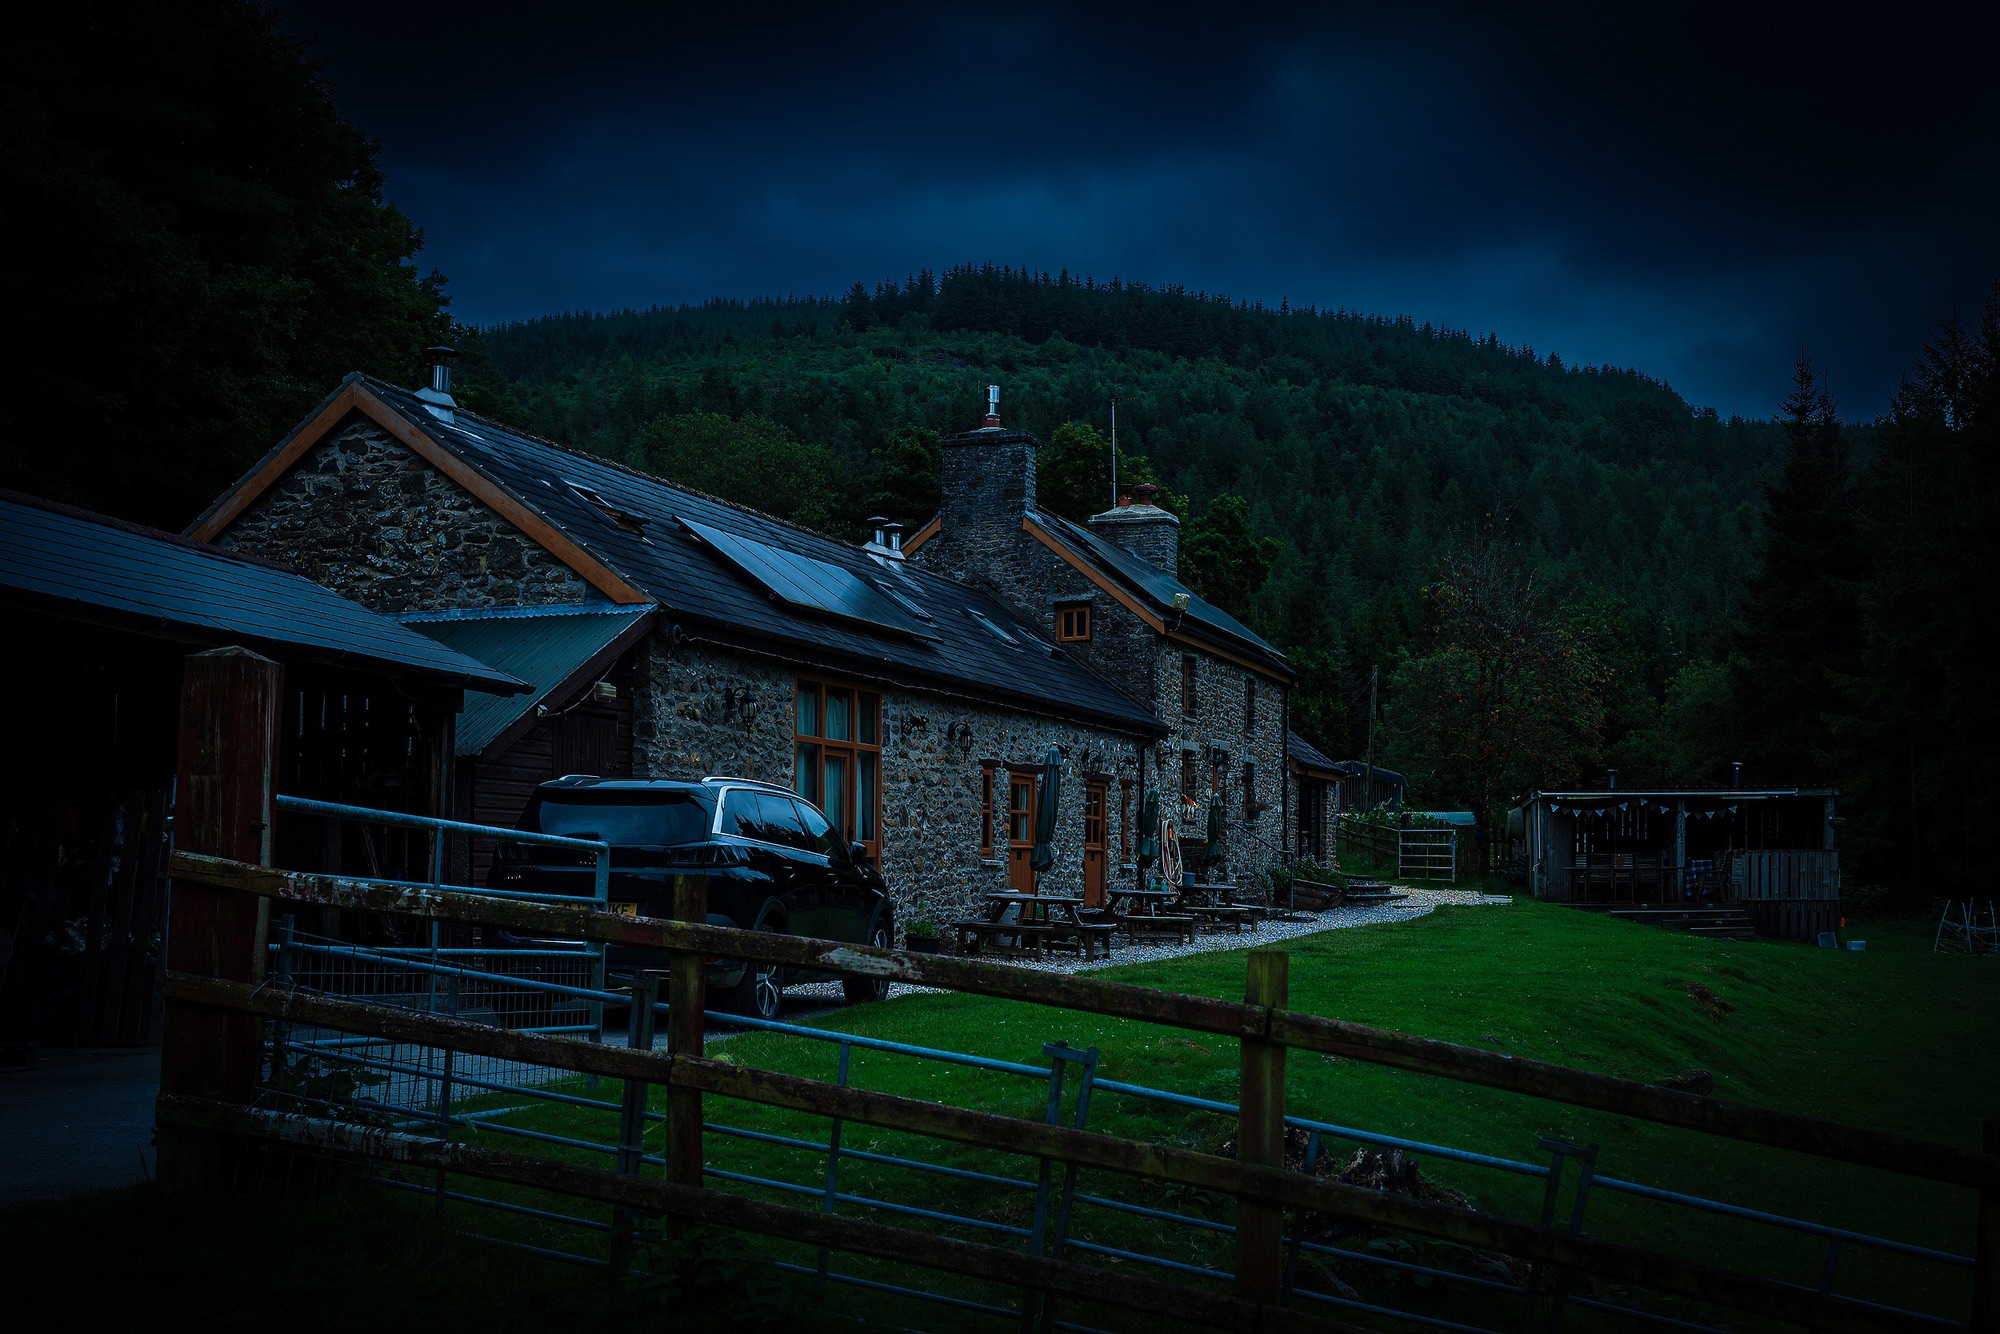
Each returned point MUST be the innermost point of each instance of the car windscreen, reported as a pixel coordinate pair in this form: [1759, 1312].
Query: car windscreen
[623, 819]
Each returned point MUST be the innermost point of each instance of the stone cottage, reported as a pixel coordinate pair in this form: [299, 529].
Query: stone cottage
[670, 634]
[1109, 593]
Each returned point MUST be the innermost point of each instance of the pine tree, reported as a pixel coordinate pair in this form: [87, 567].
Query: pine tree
[1800, 636]
[1921, 789]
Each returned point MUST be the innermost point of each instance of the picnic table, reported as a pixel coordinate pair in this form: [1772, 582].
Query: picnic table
[1142, 912]
[1218, 906]
[1041, 921]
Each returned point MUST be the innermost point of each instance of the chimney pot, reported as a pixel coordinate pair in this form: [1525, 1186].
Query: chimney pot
[1736, 773]
[1145, 492]
[992, 421]
[1611, 779]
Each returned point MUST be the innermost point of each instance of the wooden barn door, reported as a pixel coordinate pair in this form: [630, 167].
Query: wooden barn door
[1095, 825]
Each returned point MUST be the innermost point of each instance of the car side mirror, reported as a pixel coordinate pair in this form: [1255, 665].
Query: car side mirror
[857, 853]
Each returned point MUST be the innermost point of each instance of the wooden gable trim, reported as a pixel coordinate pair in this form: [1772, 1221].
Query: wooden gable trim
[1151, 618]
[275, 465]
[1204, 646]
[1095, 576]
[923, 534]
[357, 397]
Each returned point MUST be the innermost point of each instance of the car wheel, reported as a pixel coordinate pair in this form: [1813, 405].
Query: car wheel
[761, 993]
[860, 990]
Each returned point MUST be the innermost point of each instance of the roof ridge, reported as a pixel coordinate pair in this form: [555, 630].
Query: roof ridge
[624, 467]
[142, 530]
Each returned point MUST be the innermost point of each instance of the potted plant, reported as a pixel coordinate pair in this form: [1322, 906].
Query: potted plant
[921, 936]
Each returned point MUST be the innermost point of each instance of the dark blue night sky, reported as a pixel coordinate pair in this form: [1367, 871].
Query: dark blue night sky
[1692, 195]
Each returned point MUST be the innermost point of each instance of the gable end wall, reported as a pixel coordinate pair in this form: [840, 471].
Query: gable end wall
[363, 515]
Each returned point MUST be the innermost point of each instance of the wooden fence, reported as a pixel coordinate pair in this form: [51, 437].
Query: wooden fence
[216, 1005]
[1789, 894]
[1260, 1023]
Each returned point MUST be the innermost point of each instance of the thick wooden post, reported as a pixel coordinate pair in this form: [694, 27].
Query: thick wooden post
[1260, 1135]
[686, 999]
[1986, 1251]
[230, 701]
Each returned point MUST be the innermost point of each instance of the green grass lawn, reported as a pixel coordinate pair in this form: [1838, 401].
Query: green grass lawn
[1895, 1038]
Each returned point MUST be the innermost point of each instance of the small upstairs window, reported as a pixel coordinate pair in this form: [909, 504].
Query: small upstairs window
[1249, 705]
[1190, 701]
[1073, 624]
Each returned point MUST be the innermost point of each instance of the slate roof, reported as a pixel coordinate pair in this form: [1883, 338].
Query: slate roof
[1305, 754]
[1158, 589]
[545, 646]
[73, 563]
[707, 597]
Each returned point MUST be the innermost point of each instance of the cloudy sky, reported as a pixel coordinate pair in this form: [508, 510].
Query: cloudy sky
[1693, 192]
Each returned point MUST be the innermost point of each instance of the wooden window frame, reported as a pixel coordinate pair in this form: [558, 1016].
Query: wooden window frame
[1073, 623]
[1249, 789]
[1190, 686]
[851, 750]
[986, 776]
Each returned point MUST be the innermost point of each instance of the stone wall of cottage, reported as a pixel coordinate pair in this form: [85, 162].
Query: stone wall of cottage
[362, 514]
[1136, 658]
[689, 722]
[1219, 737]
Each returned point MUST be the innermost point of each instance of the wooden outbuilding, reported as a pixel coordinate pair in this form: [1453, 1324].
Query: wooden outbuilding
[101, 616]
[1768, 853]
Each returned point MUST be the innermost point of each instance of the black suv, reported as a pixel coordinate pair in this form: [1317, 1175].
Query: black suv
[773, 863]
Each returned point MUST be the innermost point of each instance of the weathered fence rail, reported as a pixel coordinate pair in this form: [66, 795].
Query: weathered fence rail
[1261, 1025]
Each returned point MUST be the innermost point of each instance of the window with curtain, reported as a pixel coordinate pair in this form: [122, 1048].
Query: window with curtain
[986, 810]
[838, 760]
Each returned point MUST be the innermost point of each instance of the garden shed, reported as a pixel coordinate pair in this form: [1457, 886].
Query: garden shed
[1768, 852]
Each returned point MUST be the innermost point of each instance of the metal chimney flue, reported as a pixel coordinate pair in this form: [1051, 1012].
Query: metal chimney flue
[436, 395]
[1736, 773]
[1611, 780]
[992, 422]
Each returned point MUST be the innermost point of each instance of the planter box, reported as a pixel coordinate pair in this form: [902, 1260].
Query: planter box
[923, 944]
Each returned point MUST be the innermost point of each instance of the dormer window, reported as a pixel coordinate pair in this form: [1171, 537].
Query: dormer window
[1073, 623]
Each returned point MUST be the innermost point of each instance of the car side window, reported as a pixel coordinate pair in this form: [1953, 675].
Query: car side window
[740, 815]
[820, 837]
[780, 821]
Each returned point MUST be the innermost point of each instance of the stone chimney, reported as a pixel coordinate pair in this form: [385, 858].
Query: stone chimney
[1143, 528]
[989, 483]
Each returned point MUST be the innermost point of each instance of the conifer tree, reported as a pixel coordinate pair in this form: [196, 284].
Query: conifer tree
[1800, 635]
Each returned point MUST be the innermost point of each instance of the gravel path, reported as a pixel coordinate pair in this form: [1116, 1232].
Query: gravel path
[1414, 903]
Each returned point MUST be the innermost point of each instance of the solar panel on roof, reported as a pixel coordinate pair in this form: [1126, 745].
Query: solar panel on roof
[805, 582]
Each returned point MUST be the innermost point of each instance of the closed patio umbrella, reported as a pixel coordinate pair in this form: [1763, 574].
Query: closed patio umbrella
[1215, 831]
[1148, 851]
[1048, 801]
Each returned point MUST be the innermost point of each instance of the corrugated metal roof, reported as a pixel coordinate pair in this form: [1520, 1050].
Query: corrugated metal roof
[95, 568]
[694, 586]
[1159, 588]
[544, 646]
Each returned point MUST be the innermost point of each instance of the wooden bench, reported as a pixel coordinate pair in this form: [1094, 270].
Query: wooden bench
[973, 937]
[1182, 927]
[1237, 917]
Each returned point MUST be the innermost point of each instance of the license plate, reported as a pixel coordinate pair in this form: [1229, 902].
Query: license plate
[625, 909]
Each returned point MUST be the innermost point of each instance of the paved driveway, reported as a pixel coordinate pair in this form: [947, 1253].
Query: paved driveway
[81, 1121]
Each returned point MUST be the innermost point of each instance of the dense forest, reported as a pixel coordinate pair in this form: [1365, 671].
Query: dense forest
[1363, 447]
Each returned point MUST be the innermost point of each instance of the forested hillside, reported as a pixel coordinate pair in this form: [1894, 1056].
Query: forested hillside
[1369, 447]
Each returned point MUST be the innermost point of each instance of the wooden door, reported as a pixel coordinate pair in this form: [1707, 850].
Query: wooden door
[1020, 832]
[1095, 826]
